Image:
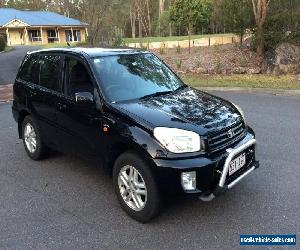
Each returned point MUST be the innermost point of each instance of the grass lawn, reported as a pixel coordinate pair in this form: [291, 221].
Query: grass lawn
[287, 82]
[170, 38]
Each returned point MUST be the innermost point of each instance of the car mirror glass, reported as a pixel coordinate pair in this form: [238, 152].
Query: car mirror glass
[84, 97]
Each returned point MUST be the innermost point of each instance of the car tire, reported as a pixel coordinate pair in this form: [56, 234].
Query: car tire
[32, 140]
[149, 204]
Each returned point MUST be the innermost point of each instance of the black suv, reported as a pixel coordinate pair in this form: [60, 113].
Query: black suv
[126, 110]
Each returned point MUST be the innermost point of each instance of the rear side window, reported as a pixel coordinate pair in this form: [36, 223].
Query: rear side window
[50, 72]
[30, 69]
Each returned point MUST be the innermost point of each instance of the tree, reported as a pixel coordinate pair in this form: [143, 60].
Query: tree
[132, 18]
[161, 6]
[216, 19]
[189, 13]
[282, 23]
[160, 17]
[237, 16]
[260, 8]
[2, 3]
[140, 11]
[163, 29]
[27, 4]
[161, 9]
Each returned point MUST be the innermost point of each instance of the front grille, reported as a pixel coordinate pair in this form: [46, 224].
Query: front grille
[223, 139]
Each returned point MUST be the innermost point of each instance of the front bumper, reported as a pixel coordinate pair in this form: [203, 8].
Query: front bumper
[211, 171]
[222, 186]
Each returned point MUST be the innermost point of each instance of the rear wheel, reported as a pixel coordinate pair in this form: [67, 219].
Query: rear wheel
[32, 140]
[136, 187]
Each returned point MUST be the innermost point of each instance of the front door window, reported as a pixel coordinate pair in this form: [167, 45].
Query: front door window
[77, 78]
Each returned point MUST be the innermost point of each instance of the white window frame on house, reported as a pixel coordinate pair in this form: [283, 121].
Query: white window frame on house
[35, 37]
[73, 35]
[77, 35]
[52, 38]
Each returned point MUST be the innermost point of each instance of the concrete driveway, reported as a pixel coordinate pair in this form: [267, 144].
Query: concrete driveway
[64, 203]
[10, 61]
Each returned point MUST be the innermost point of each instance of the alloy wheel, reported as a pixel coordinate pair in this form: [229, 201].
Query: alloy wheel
[30, 138]
[132, 187]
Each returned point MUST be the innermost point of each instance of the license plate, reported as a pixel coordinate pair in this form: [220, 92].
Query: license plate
[237, 163]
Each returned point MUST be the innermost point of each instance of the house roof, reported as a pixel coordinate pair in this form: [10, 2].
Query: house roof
[37, 18]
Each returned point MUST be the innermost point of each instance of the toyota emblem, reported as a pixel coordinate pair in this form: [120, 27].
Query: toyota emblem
[230, 133]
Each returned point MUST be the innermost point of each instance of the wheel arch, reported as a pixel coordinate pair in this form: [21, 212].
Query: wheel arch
[22, 115]
[137, 141]
[121, 147]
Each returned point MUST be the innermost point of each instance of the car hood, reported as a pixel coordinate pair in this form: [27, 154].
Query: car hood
[189, 109]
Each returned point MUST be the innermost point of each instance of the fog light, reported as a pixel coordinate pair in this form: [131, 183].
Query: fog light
[188, 180]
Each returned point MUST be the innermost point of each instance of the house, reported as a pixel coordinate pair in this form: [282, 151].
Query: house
[25, 27]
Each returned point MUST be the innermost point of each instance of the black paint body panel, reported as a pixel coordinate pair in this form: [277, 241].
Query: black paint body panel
[76, 129]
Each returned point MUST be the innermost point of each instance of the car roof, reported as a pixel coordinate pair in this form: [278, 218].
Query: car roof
[91, 52]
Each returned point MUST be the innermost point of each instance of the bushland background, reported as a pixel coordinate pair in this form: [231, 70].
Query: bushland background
[262, 47]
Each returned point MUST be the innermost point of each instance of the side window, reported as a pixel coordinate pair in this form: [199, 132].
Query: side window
[50, 72]
[30, 69]
[77, 78]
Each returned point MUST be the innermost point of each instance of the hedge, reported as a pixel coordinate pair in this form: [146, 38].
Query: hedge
[2, 42]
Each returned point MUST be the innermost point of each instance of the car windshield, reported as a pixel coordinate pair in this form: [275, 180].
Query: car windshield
[134, 76]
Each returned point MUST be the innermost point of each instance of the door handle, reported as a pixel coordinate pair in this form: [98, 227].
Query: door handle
[61, 106]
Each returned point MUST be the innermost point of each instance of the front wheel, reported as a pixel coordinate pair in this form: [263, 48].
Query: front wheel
[136, 187]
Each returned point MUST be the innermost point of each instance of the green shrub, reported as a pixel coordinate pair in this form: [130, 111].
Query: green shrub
[117, 41]
[219, 68]
[144, 47]
[294, 38]
[243, 62]
[178, 49]
[163, 24]
[162, 50]
[198, 64]
[178, 64]
[2, 42]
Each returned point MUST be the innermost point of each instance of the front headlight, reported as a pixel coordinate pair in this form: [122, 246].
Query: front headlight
[240, 110]
[178, 140]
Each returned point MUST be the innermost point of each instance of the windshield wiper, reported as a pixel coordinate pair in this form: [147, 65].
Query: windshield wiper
[163, 92]
[181, 87]
[156, 94]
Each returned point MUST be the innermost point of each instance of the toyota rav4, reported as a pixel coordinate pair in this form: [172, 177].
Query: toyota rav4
[126, 110]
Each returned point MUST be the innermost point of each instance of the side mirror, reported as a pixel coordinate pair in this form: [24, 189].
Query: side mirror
[84, 97]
